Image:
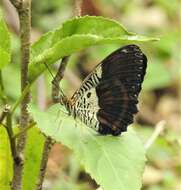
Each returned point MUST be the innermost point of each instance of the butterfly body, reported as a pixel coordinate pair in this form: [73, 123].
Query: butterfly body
[108, 97]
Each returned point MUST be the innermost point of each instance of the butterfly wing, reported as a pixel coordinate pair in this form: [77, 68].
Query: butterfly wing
[84, 102]
[108, 97]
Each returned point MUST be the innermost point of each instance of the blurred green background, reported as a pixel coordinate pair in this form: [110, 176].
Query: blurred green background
[159, 100]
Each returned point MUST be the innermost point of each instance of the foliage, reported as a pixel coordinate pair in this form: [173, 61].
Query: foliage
[75, 35]
[33, 156]
[6, 166]
[101, 156]
[88, 40]
[4, 44]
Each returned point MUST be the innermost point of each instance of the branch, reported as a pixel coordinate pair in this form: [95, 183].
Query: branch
[49, 142]
[58, 77]
[12, 140]
[160, 126]
[24, 130]
[19, 100]
[4, 113]
[24, 11]
[46, 150]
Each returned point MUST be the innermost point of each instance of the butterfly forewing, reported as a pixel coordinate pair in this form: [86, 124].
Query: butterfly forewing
[85, 100]
[107, 98]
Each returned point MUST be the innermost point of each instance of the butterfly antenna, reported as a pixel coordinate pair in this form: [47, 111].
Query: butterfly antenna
[49, 70]
[53, 81]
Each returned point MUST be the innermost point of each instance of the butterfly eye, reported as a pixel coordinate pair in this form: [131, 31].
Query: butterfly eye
[88, 95]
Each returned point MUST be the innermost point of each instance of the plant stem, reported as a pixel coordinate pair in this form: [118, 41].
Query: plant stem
[46, 150]
[4, 113]
[12, 140]
[49, 142]
[158, 130]
[24, 130]
[24, 11]
[19, 100]
[56, 97]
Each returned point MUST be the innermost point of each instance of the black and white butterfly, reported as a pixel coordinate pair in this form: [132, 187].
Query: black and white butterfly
[108, 97]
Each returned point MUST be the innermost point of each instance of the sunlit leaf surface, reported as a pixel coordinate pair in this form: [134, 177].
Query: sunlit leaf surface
[33, 156]
[75, 35]
[6, 163]
[114, 162]
[4, 44]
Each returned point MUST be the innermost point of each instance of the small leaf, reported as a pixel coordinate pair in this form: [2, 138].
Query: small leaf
[114, 162]
[11, 82]
[4, 44]
[33, 155]
[75, 35]
[6, 162]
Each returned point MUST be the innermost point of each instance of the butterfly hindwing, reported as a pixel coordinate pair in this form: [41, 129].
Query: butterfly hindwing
[122, 76]
[108, 96]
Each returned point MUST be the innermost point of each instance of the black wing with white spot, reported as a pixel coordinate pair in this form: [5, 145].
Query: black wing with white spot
[108, 97]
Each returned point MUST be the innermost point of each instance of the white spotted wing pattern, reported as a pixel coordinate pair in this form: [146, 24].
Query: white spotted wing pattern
[108, 97]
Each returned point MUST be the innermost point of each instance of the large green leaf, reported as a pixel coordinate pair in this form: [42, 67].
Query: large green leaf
[6, 162]
[116, 163]
[75, 35]
[4, 44]
[33, 155]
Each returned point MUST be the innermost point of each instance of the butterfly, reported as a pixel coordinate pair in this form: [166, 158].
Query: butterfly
[108, 97]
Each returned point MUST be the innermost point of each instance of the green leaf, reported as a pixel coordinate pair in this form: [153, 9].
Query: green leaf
[6, 162]
[33, 155]
[4, 44]
[4, 57]
[157, 76]
[114, 162]
[11, 82]
[75, 35]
